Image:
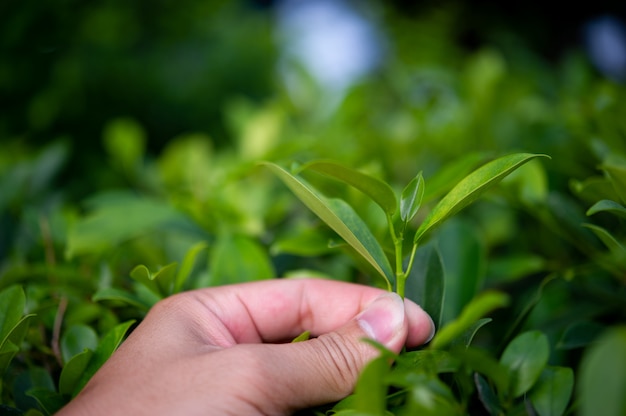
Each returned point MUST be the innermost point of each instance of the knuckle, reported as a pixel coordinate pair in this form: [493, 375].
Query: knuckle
[343, 359]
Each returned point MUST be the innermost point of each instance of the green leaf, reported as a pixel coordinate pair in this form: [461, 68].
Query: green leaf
[580, 334]
[33, 378]
[607, 205]
[466, 337]
[187, 265]
[602, 376]
[429, 361]
[125, 141]
[553, 391]
[141, 274]
[615, 168]
[7, 352]
[49, 401]
[76, 339]
[470, 188]
[525, 357]
[451, 173]
[342, 219]
[379, 191]
[477, 308]
[237, 258]
[425, 283]
[10, 346]
[411, 198]
[160, 283]
[73, 371]
[464, 256]
[370, 391]
[528, 308]
[165, 278]
[118, 295]
[115, 218]
[483, 363]
[302, 241]
[609, 241]
[487, 396]
[13, 302]
[302, 337]
[529, 183]
[427, 395]
[106, 347]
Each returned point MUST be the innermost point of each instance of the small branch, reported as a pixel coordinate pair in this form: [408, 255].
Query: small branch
[56, 330]
[410, 265]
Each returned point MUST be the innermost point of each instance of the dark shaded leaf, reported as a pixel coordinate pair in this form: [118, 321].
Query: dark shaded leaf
[425, 282]
[580, 334]
[487, 397]
[477, 308]
[553, 391]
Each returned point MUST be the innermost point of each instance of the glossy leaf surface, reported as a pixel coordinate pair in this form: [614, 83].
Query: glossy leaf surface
[411, 198]
[470, 188]
[340, 217]
[377, 190]
[607, 205]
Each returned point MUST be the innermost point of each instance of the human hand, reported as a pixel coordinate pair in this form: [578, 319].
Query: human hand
[225, 351]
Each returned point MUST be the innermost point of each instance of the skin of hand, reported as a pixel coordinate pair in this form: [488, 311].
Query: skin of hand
[226, 351]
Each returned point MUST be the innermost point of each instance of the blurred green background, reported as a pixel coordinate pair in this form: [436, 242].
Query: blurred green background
[68, 67]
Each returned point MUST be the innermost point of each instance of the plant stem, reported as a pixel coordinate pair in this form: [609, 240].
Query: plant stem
[400, 280]
[410, 265]
[397, 243]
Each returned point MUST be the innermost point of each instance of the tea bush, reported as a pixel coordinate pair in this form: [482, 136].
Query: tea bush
[527, 284]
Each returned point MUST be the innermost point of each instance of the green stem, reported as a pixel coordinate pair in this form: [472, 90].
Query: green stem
[397, 242]
[400, 280]
[410, 265]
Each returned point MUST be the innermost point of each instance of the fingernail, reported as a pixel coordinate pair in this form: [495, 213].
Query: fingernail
[383, 318]
[432, 330]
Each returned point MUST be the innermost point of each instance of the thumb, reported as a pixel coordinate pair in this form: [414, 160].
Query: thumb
[326, 368]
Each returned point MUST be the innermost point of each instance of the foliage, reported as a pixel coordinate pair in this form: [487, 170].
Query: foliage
[425, 179]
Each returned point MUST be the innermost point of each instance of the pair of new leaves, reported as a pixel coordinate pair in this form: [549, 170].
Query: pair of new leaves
[340, 217]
